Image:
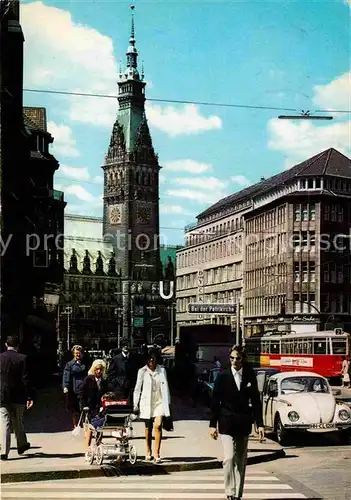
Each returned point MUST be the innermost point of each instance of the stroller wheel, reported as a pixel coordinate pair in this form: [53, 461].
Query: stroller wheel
[132, 455]
[90, 454]
[99, 457]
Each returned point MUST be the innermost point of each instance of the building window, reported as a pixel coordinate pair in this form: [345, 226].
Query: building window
[305, 212]
[296, 272]
[312, 272]
[304, 271]
[312, 214]
[340, 303]
[297, 306]
[327, 212]
[297, 212]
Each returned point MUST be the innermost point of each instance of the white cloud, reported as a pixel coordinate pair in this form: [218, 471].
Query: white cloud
[162, 179]
[183, 120]
[64, 142]
[303, 139]
[241, 180]
[299, 140]
[174, 209]
[79, 173]
[334, 95]
[195, 196]
[201, 182]
[81, 60]
[79, 192]
[187, 165]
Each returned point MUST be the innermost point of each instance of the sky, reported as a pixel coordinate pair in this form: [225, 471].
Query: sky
[277, 54]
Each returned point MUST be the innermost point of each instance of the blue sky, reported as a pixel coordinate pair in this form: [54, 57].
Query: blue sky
[289, 54]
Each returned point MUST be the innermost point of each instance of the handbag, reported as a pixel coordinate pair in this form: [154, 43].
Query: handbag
[167, 422]
[77, 430]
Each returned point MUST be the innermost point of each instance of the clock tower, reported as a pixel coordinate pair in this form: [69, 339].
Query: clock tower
[131, 193]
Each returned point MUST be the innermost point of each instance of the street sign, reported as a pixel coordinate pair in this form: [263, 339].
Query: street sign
[138, 322]
[212, 308]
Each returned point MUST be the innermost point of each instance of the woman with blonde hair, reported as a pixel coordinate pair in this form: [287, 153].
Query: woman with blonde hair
[152, 401]
[93, 388]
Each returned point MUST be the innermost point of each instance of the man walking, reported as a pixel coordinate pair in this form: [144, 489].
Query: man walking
[236, 405]
[122, 373]
[15, 397]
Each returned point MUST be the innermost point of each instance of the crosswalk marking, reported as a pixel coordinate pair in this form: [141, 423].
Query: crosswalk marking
[199, 485]
[151, 495]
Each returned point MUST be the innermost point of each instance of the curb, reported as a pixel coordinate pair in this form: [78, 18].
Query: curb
[138, 469]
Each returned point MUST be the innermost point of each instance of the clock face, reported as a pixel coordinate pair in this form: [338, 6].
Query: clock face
[115, 214]
[143, 215]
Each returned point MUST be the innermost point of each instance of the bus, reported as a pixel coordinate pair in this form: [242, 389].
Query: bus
[321, 352]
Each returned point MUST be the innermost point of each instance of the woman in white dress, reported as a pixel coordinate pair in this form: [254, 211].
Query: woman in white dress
[152, 399]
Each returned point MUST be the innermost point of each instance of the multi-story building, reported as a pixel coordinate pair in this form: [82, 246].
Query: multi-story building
[210, 266]
[31, 210]
[272, 247]
[91, 304]
[297, 261]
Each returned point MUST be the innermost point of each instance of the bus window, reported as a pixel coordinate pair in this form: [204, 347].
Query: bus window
[265, 347]
[275, 347]
[298, 346]
[320, 346]
[339, 346]
[307, 347]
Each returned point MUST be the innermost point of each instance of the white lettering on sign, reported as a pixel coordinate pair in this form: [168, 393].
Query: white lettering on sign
[297, 362]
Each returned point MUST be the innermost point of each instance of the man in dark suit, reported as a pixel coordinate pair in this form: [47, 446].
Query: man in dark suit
[122, 373]
[236, 405]
[15, 397]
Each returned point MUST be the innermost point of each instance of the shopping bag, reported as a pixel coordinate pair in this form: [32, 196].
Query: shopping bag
[77, 431]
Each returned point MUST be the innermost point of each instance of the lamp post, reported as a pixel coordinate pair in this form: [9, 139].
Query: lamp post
[68, 310]
[118, 310]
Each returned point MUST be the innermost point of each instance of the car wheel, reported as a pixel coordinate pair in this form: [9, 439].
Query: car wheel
[345, 437]
[280, 432]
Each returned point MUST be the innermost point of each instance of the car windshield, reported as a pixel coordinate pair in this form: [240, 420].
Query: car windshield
[293, 385]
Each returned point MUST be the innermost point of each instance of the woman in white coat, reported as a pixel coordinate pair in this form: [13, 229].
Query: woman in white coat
[152, 399]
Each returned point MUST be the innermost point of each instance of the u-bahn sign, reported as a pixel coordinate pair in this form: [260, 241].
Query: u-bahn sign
[212, 308]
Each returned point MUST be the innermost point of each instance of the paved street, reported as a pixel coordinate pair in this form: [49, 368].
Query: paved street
[318, 463]
[260, 485]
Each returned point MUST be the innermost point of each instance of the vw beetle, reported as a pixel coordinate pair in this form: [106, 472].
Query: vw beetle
[303, 402]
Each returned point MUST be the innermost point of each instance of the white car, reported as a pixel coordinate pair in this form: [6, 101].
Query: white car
[303, 401]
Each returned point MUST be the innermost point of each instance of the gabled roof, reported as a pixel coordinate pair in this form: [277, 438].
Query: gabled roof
[330, 162]
[35, 118]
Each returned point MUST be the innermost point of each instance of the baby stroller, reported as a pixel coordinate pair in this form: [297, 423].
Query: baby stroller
[116, 418]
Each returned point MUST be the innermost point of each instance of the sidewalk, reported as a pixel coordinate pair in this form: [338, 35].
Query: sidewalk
[59, 455]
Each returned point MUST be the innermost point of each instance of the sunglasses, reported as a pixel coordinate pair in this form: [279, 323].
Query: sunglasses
[235, 357]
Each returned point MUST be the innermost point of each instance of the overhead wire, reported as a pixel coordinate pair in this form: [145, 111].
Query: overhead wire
[180, 101]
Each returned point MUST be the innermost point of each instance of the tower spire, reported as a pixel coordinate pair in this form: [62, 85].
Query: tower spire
[132, 53]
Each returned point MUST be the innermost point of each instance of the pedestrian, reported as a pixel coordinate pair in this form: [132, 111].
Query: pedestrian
[16, 397]
[74, 373]
[217, 363]
[152, 401]
[345, 371]
[122, 373]
[94, 386]
[235, 406]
